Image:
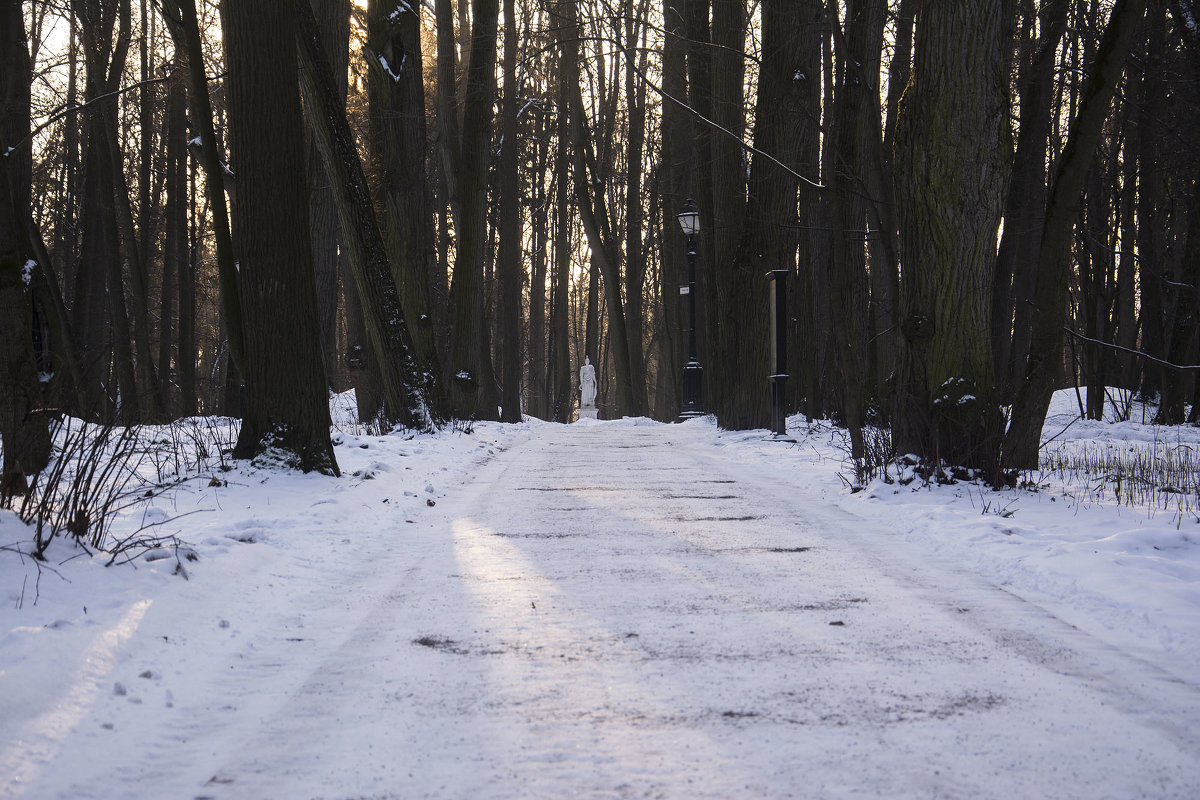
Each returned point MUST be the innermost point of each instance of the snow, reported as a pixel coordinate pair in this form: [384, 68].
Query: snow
[398, 72]
[401, 9]
[27, 272]
[610, 609]
[1189, 19]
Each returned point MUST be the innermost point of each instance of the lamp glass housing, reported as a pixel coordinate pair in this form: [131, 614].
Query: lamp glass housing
[689, 218]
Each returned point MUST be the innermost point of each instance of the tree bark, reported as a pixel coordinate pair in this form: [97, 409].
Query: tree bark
[178, 277]
[562, 404]
[23, 422]
[951, 173]
[848, 197]
[409, 387]
[1025, 207]
[470, 388]
[334, 17]
[676, 182]
[1054, 254]
[185, 31]
[398, 142]
[287, 404]
[509, 266]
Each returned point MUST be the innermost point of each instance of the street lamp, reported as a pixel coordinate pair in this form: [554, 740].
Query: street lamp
[693, 373]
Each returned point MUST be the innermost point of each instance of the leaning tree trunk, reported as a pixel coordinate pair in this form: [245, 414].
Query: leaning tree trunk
[409, 387]
[1054, 256]
[1025, 206]
[287, 405]
[951, 171]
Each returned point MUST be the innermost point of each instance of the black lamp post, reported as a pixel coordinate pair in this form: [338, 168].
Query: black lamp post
[693, 373]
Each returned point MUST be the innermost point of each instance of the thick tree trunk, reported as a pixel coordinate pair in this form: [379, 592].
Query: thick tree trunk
[735, 290]
[951, 173]
[396, 124]
[23, 424]
[287, 404]
[1152, 194]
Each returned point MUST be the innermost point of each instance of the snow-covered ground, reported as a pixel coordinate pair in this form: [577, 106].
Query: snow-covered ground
[615, 609]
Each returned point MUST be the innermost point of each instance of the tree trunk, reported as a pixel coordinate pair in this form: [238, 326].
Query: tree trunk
[770, 241]
[334, 20]
[540, 213]
[951, 173]
[561, 399]
[396, 123]
[635, 255]
[676, 170]
[848, 210]
[1054, 255]
[409, 388]
[470, 390]
[177, 273]
[595, 217]
[1025, 207]
[509, 266]
[185, 31]
[809, 295]
[287, 405]
[23, 424]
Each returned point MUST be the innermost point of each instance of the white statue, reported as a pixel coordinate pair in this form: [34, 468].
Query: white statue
[587, 384]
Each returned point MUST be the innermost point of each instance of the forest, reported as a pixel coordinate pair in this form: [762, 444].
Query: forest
[236, 208]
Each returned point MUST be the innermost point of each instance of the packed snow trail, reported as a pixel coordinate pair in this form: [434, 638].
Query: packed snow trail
[621, 612]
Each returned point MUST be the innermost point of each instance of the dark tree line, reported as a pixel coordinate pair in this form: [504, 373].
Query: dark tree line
[236, 207]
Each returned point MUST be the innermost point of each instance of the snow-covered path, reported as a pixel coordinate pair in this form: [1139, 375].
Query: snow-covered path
[614, 613]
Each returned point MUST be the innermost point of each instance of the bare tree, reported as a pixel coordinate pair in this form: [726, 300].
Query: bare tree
[951, 173]
[1054, 254]
[287, 408]
[23, 422]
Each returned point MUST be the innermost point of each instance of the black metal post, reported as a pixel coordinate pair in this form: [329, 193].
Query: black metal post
[693, 373]
[778, 351]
